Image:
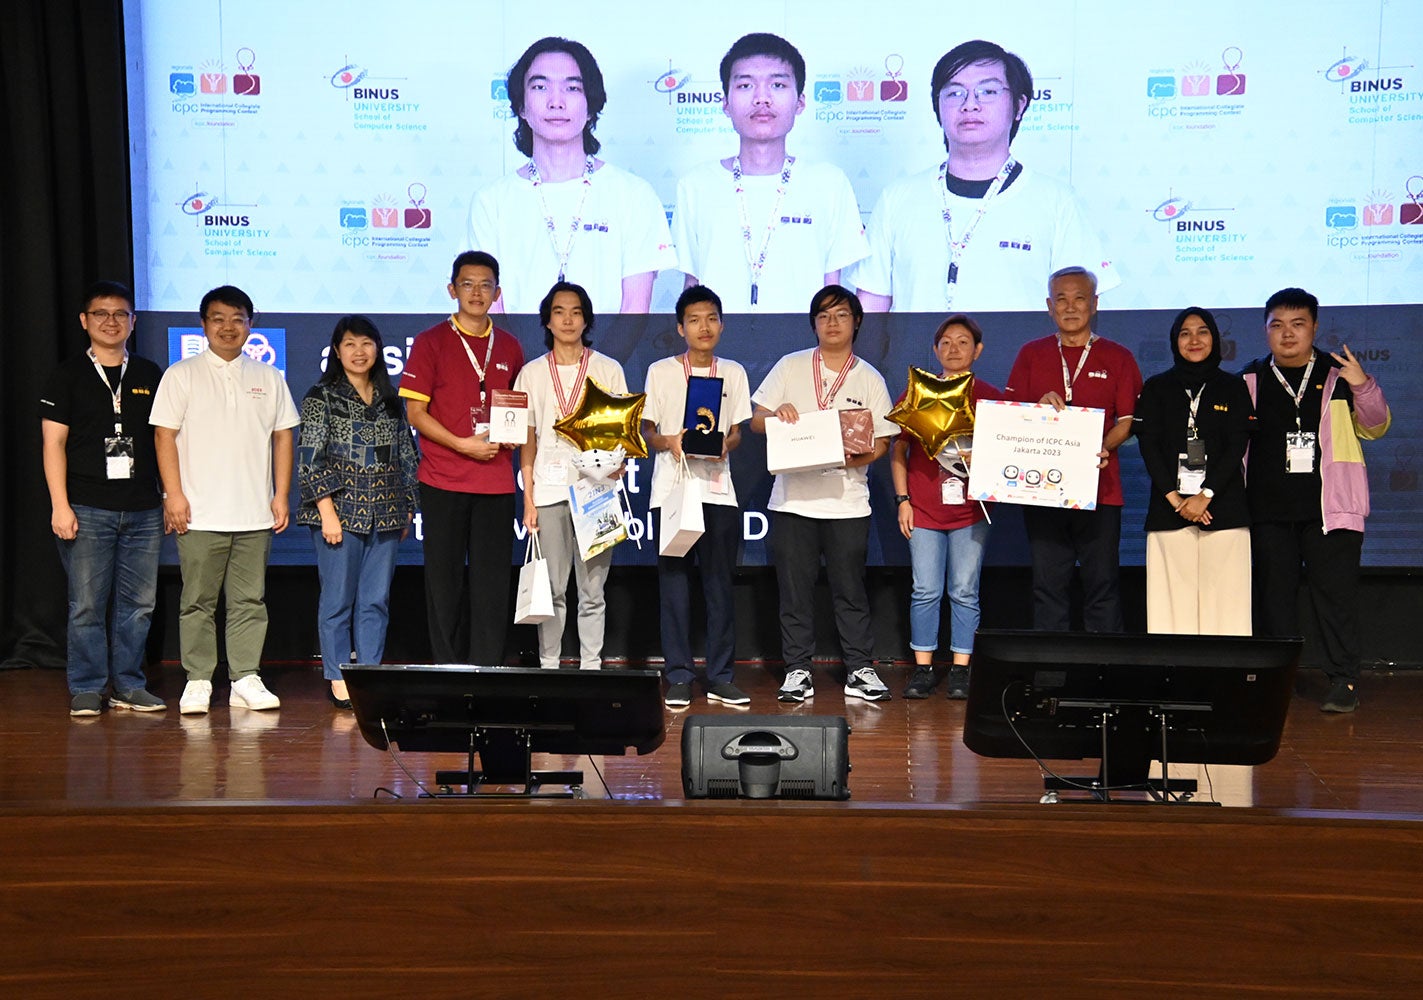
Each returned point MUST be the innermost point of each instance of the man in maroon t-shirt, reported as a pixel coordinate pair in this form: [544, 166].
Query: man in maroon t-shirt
[466, 483]
[1075, 367]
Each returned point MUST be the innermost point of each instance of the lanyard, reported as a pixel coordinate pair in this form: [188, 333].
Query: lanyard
[1297, 395]
[1191, 416]
[758, 263]
[957, 247]
[1082, 361]
[464, 335]
[823, 402]
[537, 181]
[686, 360]
[567, 402]
[116, 393]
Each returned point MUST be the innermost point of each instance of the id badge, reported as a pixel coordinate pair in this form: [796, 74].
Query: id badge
[951, 492]
[1195, 453]
[1299, 452]
[118, 457]
[479, 418]
[1189, 481]
[558, 473]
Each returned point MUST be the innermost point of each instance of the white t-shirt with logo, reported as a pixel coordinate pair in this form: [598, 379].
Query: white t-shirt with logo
[225, 413]
[832, 493]
[622, 232]
[1032, 228]
[818, 231]
[553, 463]
[666, 406]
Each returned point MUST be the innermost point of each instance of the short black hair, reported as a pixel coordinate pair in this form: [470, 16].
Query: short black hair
[546, 310]
[959, 319]
[360, 326]
[593, 89]
[1293, 298]
[106, 290]
[228, 295]
[833, 295]
[691, 296]
[1018, 77]
[474, 258]
[761, 43]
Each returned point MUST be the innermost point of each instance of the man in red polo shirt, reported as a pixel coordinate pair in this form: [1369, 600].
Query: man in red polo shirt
[1075, 367]
[466, 483]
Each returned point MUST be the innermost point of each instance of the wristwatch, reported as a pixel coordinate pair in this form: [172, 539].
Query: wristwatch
[900, 498]
[1208, 493]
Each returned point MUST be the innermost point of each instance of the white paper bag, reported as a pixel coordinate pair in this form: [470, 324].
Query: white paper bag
[812, 442]
[681, 519]
[534, 605]
[598, 519]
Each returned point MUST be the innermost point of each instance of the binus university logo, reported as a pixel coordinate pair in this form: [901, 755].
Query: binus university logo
[676, 84]
[265, 345]
[1207, 236]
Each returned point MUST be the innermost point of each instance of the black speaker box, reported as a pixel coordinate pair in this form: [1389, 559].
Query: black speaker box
[765, 757]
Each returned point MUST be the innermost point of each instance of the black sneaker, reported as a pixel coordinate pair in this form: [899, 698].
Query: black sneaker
[1341, 698]
[678, 696]
[137, 700]
[865, 683]
[958, 684]
[728, 694]
[921, 683]
[86, 703]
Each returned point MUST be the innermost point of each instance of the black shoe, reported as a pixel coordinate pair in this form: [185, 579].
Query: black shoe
[958, 683]
[728, 694]
[921, 682]
[344, 703]
[678, 696]
[1341, 698]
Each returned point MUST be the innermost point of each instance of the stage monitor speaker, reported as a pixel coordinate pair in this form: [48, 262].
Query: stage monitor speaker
[765, 757]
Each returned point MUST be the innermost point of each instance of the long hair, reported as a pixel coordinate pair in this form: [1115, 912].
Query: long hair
[360, 326]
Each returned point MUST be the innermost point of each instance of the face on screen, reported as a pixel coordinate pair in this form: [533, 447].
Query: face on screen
[976, 108]
[956, 350]
[555, 105]
[762, 102]
[1072, 304]
[700, 326]
[1290, 332]
[565, 320]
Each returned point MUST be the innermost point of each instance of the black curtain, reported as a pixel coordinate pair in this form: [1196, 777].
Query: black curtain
[64, 223]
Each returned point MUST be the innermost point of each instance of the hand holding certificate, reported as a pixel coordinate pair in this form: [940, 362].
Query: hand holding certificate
[1032, 453]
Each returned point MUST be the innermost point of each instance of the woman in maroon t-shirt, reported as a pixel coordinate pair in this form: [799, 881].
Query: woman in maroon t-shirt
[946, 530]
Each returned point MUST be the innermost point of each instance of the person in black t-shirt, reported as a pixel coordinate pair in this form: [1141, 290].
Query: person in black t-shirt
[1307, 485]
[107, 512]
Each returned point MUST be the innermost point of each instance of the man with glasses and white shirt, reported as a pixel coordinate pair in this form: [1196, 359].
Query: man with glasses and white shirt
[980, 231]
[223, 431]
[107, 513]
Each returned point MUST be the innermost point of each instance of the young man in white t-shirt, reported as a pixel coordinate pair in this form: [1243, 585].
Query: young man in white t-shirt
[766, 228]
[664, 427]
[567, 215]
[555, 384]
[980, 231]
[825, 513]
[223, 431]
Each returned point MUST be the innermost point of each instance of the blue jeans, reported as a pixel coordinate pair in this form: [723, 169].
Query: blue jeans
[355, 596]
[114, 555]
[945, 560]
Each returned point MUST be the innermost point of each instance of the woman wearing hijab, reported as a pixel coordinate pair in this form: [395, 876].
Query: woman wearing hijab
[1193, 424]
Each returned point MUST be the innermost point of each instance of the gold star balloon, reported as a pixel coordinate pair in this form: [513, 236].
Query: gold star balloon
[604, 420]
[935, 410]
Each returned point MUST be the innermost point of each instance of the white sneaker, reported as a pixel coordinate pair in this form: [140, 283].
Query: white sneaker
[797, 687]
[197, 695]
[250, 692]
[865, 683]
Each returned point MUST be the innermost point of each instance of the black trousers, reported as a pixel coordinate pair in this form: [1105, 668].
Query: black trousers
[1063, 539]
[468, 619]
[797, 545]
[1283, 553]
[715, 555]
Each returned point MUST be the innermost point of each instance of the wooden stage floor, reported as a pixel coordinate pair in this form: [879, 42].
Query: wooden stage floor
[901, 751]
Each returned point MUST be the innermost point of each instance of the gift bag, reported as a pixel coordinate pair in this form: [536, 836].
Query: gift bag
[534, 605]
[681, 521]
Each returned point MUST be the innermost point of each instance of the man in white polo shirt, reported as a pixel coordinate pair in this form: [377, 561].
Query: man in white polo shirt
[224, 439]
[825, 513]
[980, 231]
[764, 228]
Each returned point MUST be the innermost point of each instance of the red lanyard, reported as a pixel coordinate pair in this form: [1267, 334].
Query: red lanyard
[567, 402]
[687, 367]
[824, 401]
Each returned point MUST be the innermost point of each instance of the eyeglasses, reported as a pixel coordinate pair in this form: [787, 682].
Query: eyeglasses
[487, 287]
[221, 321]
[104, 315]
[984, 94]
[837, 316]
